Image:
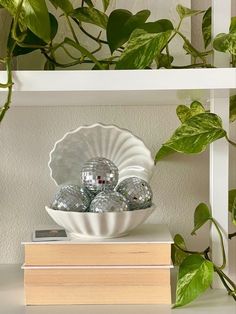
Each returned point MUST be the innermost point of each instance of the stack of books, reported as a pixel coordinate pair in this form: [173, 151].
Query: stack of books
[134, 269]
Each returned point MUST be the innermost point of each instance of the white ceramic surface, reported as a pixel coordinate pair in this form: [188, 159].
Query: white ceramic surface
[127, 152]
[99, 225]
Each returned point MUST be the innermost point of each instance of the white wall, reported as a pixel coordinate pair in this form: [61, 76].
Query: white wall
[27, 136]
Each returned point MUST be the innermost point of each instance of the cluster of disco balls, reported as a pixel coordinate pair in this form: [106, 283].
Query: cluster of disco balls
[99, 191]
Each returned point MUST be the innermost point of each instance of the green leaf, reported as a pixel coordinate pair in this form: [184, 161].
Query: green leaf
[177, 255]
[196, 108]
[201, 216]
[184, 113]
[141, 49]
[49, 66]
[164, 61]
[32, 39]
[225, 43]
[105, 4]
[90, 15]
[206, 27]
[234, 213]
[196, 133]
[195, 276]
[64, 5]
[232, 199]
[163, 152]
[186, 12]
[233, 108]
[54, 26]
[232, 28]
[136, 20]
[158, 26]
[89, 3]
[121, 23]
[116, 33]
[34, 15]
[37, 18]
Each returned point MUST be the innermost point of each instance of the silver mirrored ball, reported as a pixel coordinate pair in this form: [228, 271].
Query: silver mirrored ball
[72, 197]
[137, 192]
[99, 174]
[109, 201]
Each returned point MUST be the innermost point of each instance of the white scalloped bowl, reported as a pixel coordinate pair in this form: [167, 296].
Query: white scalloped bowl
[127, 151]
[99, 225]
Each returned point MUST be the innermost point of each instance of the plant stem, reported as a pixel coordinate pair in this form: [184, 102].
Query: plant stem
[224, 278]
[24, 45]
[193, 252]
[16, 37]
[223, 281]
[67, 65]
[221, 273]
[68, 53]
[61, 65]
[195, 65]
[230, 142]
[5, 85]
[98, 49]
[221, 243]
[87, 33]
[72, 30]
[233, 60]
[168, 56]
[61, 45]
[174, 34]
[6, 106]
[231, 235]
[190, 45]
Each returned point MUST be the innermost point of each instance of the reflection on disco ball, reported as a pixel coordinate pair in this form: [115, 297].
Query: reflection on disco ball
[99, 174]
[109, 201]
[72, 198]
[137, 192]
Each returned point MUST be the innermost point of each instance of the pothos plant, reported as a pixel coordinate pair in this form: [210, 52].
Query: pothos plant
[198, 129]
[134, 43]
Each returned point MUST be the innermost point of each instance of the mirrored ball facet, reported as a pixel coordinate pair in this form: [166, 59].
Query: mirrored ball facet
[99, 174]
[72, 198]
[137, 192]
[109, 201]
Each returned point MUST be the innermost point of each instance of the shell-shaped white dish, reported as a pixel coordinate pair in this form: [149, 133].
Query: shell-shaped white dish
[127, 151]
[99, 225]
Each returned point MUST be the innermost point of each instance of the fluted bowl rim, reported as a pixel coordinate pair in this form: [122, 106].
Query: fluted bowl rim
[99, 225]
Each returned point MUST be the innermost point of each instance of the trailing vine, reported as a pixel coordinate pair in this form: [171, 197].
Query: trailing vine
[198, 129]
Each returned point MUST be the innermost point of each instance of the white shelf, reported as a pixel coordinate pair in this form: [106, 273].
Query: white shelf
[124, 80]
[123, 87]
[12, 301]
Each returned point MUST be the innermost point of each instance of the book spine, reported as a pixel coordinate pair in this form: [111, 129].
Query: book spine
[48, 295]
[97, 276]
[98, 254]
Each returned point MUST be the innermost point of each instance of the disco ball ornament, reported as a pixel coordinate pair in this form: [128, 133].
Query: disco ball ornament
[72, 198]
[108, 201]
[99, 174]
[137, 192]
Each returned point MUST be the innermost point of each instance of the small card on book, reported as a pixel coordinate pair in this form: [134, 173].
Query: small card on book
[49, 235]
